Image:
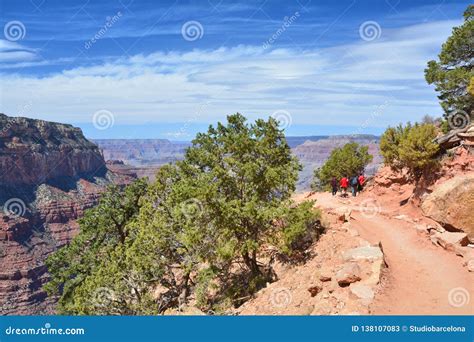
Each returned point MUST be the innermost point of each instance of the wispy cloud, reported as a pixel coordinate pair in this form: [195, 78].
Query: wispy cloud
[337, 85]
[14, 52]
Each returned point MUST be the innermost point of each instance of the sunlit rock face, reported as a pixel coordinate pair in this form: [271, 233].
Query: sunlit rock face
[49, 174]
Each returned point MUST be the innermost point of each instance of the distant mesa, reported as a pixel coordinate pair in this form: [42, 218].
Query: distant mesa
[145, 156]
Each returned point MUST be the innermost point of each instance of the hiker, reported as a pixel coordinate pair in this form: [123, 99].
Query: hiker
[361, 181]
[354, 185]
[334, 186]
[344, 184]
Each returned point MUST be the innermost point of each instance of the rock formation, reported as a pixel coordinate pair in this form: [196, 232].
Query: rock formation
[35, 152]
[49, 174]
[452, 204]
[142, 152]
[456, 137]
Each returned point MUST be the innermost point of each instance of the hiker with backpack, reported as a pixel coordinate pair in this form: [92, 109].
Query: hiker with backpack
[344, 184]
[354, 185]
[361, 181]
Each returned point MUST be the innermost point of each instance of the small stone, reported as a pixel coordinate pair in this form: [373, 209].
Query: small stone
[325, 278]
[421, 228]
[333, 285]
[350, 273]
[314, 290]
[449, 240]
[344, 214]
[403, 218]
[470, 265]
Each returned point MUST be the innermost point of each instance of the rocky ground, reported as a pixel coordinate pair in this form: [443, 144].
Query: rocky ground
[379, 262]
[341, 278]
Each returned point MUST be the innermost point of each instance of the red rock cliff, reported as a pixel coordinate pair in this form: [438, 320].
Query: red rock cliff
[49, 174]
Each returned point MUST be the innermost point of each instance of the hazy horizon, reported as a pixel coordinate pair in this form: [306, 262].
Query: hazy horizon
[180, 132]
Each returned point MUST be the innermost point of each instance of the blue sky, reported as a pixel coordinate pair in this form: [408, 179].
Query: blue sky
[167, 69]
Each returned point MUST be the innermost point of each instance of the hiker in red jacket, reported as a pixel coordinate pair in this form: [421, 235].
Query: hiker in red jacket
[344, 184]
[361, 181]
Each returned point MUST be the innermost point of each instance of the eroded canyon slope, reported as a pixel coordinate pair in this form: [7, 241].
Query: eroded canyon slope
[49, 174]
[144, 156]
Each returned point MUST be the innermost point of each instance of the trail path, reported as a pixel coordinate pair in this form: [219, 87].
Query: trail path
[422, 279]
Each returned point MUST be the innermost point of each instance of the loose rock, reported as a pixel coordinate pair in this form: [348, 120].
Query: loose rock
[350, 273]
[362, 291]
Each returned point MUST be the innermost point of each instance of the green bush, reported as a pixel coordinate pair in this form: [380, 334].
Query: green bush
[349, 160]
[390, 145]
[410, 147]
[301, 228]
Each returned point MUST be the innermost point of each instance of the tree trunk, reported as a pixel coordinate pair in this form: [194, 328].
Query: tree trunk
[184, 291]
[251, 263]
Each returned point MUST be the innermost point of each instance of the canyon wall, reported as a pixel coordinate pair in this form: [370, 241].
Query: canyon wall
[142, 152]
[313, 154]
[49, 174]
[33, 152]
[145, 156]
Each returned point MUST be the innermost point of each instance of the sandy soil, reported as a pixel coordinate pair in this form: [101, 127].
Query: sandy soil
[422, 279]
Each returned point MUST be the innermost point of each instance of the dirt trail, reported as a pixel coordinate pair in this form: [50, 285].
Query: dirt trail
[422, 279]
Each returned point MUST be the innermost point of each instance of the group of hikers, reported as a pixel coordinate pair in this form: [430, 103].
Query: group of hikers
[355, 182]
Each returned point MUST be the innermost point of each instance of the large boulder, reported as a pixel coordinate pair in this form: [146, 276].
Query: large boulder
[363, 292]
[363, 253]
[452, 204]
[449, 240]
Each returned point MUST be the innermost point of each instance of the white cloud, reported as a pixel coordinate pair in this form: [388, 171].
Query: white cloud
[14, 52]
[340, 85]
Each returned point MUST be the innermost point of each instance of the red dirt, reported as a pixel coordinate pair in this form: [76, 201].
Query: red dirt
[422, 279]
